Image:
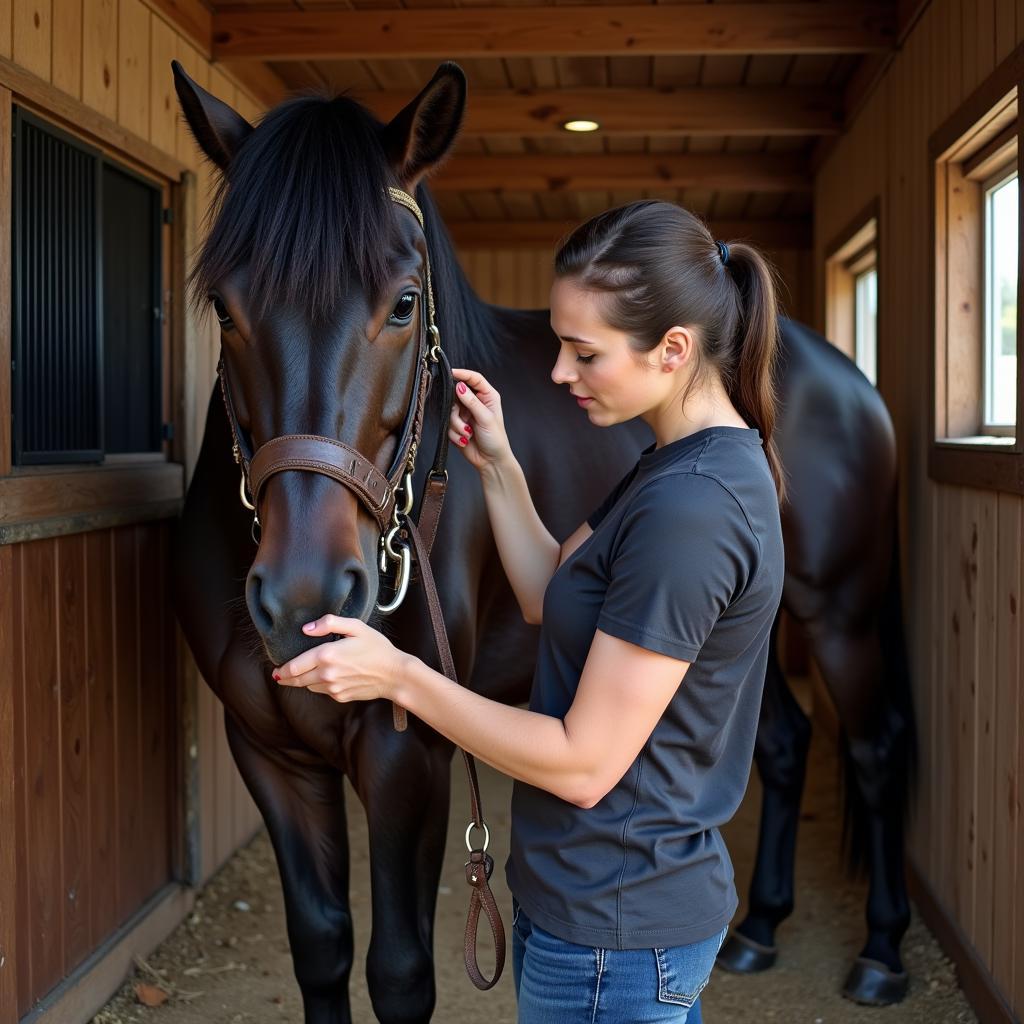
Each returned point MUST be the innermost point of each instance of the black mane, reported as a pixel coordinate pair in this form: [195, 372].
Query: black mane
[304, 204]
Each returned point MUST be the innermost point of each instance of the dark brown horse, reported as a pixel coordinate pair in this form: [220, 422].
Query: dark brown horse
[310, 269]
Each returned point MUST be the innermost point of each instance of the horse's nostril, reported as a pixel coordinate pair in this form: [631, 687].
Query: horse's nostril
[260, 600]
[353, 587]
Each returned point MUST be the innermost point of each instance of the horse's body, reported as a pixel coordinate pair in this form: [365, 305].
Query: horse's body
[239, 605]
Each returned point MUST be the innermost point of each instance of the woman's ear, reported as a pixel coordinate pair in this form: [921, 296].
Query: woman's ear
[678, 347]
[217, 128]
[421, 135]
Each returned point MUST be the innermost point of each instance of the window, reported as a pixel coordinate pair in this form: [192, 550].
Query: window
[1000, 331]
[865, 320]
[851, 292]
[86, 301]
[976, 373]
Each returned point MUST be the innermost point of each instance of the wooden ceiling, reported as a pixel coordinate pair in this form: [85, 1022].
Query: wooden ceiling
[719, 106]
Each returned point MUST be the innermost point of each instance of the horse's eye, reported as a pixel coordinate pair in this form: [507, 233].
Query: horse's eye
[404, 309]
[221, 310]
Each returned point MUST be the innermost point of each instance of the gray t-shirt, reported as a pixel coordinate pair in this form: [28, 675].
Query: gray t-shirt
[685, 559]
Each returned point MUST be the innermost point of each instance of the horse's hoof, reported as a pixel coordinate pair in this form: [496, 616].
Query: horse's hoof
[745, 956]
[871, 983]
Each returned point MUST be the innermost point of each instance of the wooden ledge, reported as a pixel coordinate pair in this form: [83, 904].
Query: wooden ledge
[45, 500]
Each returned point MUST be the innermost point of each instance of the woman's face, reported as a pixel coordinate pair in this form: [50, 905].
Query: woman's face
[606, 375]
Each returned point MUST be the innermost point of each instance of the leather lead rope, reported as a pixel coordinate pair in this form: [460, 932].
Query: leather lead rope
[480, 863]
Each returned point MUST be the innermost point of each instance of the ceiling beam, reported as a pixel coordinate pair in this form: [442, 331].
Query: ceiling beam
[771, 235]
[686, 110]
[723, 172]
[642, 30]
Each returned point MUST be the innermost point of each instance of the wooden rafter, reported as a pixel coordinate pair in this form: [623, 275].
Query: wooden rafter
[771, 234]
[723, 172]
[686, 110]
[642, 30]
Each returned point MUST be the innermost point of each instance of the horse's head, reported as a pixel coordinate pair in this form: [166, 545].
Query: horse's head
[318, 280]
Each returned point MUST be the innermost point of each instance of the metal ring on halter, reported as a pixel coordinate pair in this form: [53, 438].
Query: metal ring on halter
[404, 573]
[241, 493]
[487, 835]
[435, 349]
[256, 524]
[389, 544]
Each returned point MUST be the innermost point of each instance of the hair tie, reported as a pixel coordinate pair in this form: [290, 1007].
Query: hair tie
[723, 251]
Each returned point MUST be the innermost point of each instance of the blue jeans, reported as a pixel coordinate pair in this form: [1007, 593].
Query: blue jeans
[559, 982]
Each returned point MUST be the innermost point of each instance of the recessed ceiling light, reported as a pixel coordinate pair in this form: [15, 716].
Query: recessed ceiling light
[581, 125]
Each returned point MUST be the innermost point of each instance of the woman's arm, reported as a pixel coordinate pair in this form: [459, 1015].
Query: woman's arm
[529, 554]
[622, 694]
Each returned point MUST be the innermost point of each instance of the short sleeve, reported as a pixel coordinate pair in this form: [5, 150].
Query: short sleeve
[683, 554]
[605, 507]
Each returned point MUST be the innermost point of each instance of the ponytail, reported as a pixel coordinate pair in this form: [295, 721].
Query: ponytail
[753, 382]
[659, 266]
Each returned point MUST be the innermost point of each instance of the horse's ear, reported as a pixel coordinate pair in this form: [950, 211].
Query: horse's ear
[420, 136]
[217, 128]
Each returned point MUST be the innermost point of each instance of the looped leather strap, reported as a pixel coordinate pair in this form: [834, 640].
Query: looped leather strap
[478, 872]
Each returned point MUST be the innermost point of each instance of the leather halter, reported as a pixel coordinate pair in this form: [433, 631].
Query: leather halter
[388, 498]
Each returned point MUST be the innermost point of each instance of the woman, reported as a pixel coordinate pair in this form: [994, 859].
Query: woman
[656, 615]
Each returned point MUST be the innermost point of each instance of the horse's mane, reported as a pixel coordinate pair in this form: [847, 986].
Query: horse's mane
[304, 204]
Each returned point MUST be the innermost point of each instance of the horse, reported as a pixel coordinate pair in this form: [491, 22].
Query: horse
[317, 280]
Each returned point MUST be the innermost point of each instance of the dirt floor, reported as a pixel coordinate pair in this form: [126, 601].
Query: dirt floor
[229, 962]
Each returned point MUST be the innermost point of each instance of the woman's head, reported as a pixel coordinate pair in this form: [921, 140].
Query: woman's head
[671, 314]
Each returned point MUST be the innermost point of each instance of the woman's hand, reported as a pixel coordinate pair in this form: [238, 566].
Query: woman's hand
[477, 427]
[363, 665]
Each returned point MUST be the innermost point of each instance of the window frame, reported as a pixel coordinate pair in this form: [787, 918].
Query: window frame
[853, 251]
[46, 501]
[982, 136]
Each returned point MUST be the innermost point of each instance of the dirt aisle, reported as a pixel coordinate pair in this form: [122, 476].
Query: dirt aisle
[229, 962]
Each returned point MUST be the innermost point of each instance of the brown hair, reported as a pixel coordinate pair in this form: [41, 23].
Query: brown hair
[660, 267]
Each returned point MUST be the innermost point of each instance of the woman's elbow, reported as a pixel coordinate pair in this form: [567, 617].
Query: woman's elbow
[532, 616]
[586, 793]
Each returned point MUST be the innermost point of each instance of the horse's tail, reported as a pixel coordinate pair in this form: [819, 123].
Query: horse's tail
[893, 738]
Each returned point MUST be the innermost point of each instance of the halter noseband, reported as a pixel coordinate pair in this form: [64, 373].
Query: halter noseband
[387, 496]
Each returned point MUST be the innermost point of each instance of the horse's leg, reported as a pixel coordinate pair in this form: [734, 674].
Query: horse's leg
[403, 782]
[875, 749]
[304, 810]
[783, 736]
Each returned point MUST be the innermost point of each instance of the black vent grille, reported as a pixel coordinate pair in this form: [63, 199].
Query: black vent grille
[56, 303]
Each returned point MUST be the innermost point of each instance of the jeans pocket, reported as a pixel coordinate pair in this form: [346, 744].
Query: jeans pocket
[521, 924]
[683, 971]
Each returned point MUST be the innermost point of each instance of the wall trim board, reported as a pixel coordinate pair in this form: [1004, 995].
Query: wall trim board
[975, 980]
[84, 992]
[76, 117]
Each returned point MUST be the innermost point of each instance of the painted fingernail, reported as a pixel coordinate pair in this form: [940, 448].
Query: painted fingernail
[277, 675]
[461, 388]
[468, 429]
[462, 440]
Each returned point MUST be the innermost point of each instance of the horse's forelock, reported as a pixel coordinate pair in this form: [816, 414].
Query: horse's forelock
[304, 205]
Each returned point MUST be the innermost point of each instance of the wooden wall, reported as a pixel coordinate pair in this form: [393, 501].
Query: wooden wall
[521, 277]
[89, 655]
[962, 547]
[84, 795]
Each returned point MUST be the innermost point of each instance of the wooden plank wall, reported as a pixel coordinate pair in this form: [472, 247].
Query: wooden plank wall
[114, 57]
[92, 696]
[963, 547]
[521, 277]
